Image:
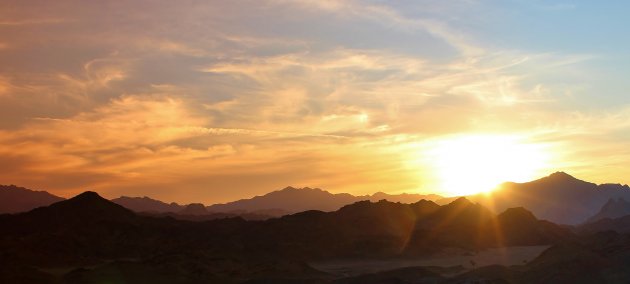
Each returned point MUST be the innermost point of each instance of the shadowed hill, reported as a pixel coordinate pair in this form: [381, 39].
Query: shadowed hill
[366, 229]
[15, 199]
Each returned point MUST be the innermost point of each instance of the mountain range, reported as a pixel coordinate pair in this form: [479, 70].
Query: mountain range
[559, 197]
[295, 200]
[273, 204]
[100, 241]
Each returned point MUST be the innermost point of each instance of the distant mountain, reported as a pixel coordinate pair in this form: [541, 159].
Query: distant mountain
[194, 209]
[294, 200]
[613, 209]
[290, 199]
[146, 204]
[620, 225]
[15, 199]
[191, 212]
[402, 197]
[559, 197]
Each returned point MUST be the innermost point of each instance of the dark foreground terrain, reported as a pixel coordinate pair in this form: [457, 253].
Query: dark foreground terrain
[88, 239]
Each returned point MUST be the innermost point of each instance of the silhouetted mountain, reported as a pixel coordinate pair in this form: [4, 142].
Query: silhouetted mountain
[85, 209]
[15, 199]
[614, 208]
[146, 204]
[366, 229]
[559, 198]
[115, 242]
[520, 226]
[294, 200]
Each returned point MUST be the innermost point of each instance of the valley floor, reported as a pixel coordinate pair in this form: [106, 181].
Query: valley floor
[450, 261]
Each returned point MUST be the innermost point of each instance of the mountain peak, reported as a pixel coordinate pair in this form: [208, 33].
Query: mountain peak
[561, 176]
[291, 188]
[288, 188]
[88, 198]
[88, 195]
[89, 204]
[518, 214]
[461, 201]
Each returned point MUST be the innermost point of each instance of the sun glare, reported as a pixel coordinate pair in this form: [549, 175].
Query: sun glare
[471, 164]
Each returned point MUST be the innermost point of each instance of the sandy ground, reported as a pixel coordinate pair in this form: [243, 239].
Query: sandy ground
[449, 258]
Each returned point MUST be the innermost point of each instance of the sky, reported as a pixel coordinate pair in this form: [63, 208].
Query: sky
[212, 101]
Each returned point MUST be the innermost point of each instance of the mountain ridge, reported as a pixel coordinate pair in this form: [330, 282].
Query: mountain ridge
[559, 197]
[303, 199]
[15, 199]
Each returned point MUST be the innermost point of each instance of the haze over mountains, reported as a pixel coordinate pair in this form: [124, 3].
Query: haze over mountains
[559, 198]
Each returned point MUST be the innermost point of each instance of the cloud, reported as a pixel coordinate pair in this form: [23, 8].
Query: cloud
[209, 101]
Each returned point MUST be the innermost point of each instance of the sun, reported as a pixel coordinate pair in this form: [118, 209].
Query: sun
[472, 164]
